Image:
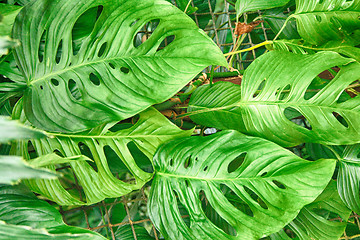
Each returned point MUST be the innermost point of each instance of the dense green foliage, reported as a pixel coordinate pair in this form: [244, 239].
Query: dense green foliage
[86, 88]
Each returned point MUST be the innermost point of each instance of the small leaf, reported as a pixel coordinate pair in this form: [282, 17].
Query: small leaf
[13, 168]
[243, 6]
[259, 198]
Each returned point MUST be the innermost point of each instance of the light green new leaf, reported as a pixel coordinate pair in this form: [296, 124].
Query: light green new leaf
[13, 130]
[243, 6]
[14, 168]
[23, 216]
[6, 43]
[313, 221]
[319, 22]
[106, 148]
[8, 14]
[108, 78]
[273, 88]
[257, 194]
[349, 177]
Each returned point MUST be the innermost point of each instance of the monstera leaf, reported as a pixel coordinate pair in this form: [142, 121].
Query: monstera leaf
[321, 21]
[318, 216]
[23, 216]
[273, 92]
[108, 150]
[243, 6]
[106, 77]
[256, 186]
[349, 177]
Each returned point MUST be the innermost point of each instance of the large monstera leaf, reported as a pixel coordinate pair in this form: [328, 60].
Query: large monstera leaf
[106, 77]
[274, 90]
[243, 6]
[315, 220]
[107, 149]
[322, 21]
[256, 194]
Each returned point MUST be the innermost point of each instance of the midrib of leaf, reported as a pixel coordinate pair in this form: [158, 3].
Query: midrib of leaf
[206, 109]
[68, 69]
[325, 12]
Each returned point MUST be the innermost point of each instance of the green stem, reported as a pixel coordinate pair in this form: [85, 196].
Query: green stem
[333, 151]
[249, 49]
[283, 27]
[187, 6]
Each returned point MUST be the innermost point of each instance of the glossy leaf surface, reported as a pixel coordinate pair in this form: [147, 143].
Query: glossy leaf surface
[243, 6]
[315, 219]
[321, 21]
[26, 217]
[106, 149]
[273, 87]
[265, 189]
[108, 78]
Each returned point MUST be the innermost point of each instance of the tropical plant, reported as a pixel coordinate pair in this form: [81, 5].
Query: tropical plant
[90, 97]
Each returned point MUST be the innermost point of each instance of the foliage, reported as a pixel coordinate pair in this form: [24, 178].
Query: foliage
[80, 78]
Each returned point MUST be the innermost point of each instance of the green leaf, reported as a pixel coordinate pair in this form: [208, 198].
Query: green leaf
[319, 22]
[273, 87]
[315, 219]
[5, 44]
[126, 233]
[13, 168]
[349, 177]
[243, 6]
[96, 179]
[298, 46]
[276, 19]
[13, 130]
[27, 217]
[8, 14]
[109, 78]
[257, 194]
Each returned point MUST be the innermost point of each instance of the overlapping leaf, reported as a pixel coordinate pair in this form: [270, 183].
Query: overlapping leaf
[257, 194]
[275, 85]
[321, 21]
[105, 147]
[316, 220]
[108, 78]
[243, 6]
[23, 216]
[349, 177]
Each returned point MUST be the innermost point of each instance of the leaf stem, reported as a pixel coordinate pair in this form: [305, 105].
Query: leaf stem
[249, 49]
[187, 6]
[283, 27]
[334, 152]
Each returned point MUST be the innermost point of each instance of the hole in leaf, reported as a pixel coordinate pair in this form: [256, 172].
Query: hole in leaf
[318, 18]
[182, 210]
[289, 233]
[187, 162]
[125, 70]
[94, 79]
[140, 158]
[102, 49]
[171, 162]
[55, 82]
[166, 42]
[85, 150]
[236, 201]
[57, 152]
[112, 65]
[263, 174]
[296, 117]
[256, 198]
[279, 184]
[32, 150]
[326, 214]
[206, 168]
[187, 183]
[41, 87]
[348, 93]
[261, 86]
[236, 163]
[117, 166]
[58, 53]
[340, 119]
[145, 32]
[74, 90]
[283, 92]
[41, 49]
[83, 26]
[214, 217]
